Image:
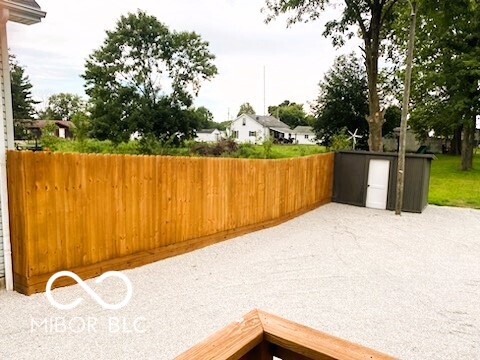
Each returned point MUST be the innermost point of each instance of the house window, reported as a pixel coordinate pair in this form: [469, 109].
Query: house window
[235, 134]
[244, 122]
[306, 136]
[252, 133]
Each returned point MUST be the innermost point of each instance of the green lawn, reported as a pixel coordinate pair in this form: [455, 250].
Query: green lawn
[286, 151]
[453, 187]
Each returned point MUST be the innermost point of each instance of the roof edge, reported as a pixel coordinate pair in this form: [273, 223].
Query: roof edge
[30, 14]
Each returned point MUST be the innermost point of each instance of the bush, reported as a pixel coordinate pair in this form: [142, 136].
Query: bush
[267, 148]
[340, 140]
[220, 148]
[246, 151]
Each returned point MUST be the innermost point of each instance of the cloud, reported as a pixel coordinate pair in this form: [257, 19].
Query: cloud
[295, 59]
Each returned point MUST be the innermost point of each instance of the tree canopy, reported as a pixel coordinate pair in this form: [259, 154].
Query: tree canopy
[205, 118]
[144, 79]
[446, 86]
[62, 106]
[246, 108]
[343, 100]
[373, 19]
[290, 113]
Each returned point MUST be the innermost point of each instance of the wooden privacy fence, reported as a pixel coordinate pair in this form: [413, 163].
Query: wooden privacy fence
[92, 213]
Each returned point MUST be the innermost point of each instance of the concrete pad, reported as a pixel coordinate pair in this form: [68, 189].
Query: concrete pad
[408, 286]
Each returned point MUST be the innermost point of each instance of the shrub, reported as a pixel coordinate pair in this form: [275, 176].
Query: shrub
[222, 147]
[340, 140]
[267, 148]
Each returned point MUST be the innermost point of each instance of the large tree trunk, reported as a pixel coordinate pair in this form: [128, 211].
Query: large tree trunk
[375, 118]
[456, 143]
[468, 140]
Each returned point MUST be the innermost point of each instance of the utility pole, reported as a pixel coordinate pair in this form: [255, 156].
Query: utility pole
[403, 124]
[264, 112]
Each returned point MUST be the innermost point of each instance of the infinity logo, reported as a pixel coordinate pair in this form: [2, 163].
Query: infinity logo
[88, 290]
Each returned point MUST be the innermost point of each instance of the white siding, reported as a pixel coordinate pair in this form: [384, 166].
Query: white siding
[214, 136]
[243, 126]
[301, 139]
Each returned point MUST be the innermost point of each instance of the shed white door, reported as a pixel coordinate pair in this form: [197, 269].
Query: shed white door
[377, 189]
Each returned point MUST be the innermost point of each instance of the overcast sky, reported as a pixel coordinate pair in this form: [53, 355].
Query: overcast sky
[295, 58]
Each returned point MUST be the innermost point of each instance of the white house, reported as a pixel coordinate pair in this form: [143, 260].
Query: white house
[257, 129]
[304, 135]
[210, 135]
[25, 12]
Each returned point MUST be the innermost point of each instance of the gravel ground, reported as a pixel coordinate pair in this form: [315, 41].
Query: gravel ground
[408, 286]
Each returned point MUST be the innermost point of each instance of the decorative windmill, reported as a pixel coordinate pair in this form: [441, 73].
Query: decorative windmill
[354, 137]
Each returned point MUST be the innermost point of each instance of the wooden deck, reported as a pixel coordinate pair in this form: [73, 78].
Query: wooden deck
[262, 336]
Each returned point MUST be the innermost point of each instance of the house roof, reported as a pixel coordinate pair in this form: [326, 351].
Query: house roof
[23, 11]
[206, 131]
[40, 124]
[31, 3]
[282, 130]
[303, 130]
[268, 121]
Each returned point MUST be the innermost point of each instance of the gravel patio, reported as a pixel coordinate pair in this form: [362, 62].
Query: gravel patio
[407, 286]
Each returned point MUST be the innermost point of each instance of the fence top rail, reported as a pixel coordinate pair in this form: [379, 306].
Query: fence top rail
[140, 156]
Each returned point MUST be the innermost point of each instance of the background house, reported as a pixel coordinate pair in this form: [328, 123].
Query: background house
[64, 129]
[210, 135]
[257, 129]
[26, 12]
[413, 143]
[304, 135]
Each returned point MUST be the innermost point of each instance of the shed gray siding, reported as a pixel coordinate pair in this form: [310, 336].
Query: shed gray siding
[351, 177]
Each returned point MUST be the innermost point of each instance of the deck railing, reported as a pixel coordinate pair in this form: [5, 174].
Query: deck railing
[262, 336]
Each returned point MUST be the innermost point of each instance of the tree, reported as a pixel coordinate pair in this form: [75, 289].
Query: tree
[205, 118]
[246, 108]
[446, 91]
[393, 115]
[127, 77]
[82, 125]
[290, 113]
[373, 19]
[343, 100]
[23, 105]
[22, 101]
[62, 106]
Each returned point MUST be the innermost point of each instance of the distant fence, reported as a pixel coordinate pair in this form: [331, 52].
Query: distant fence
[92, 213]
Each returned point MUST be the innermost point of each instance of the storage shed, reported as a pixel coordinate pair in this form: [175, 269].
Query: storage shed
[369, 179]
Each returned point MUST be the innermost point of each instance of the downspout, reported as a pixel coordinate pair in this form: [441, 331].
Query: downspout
[7, 248]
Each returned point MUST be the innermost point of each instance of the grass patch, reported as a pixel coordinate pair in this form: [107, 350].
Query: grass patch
[287, 151]
[453, 187]
[277, 151]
